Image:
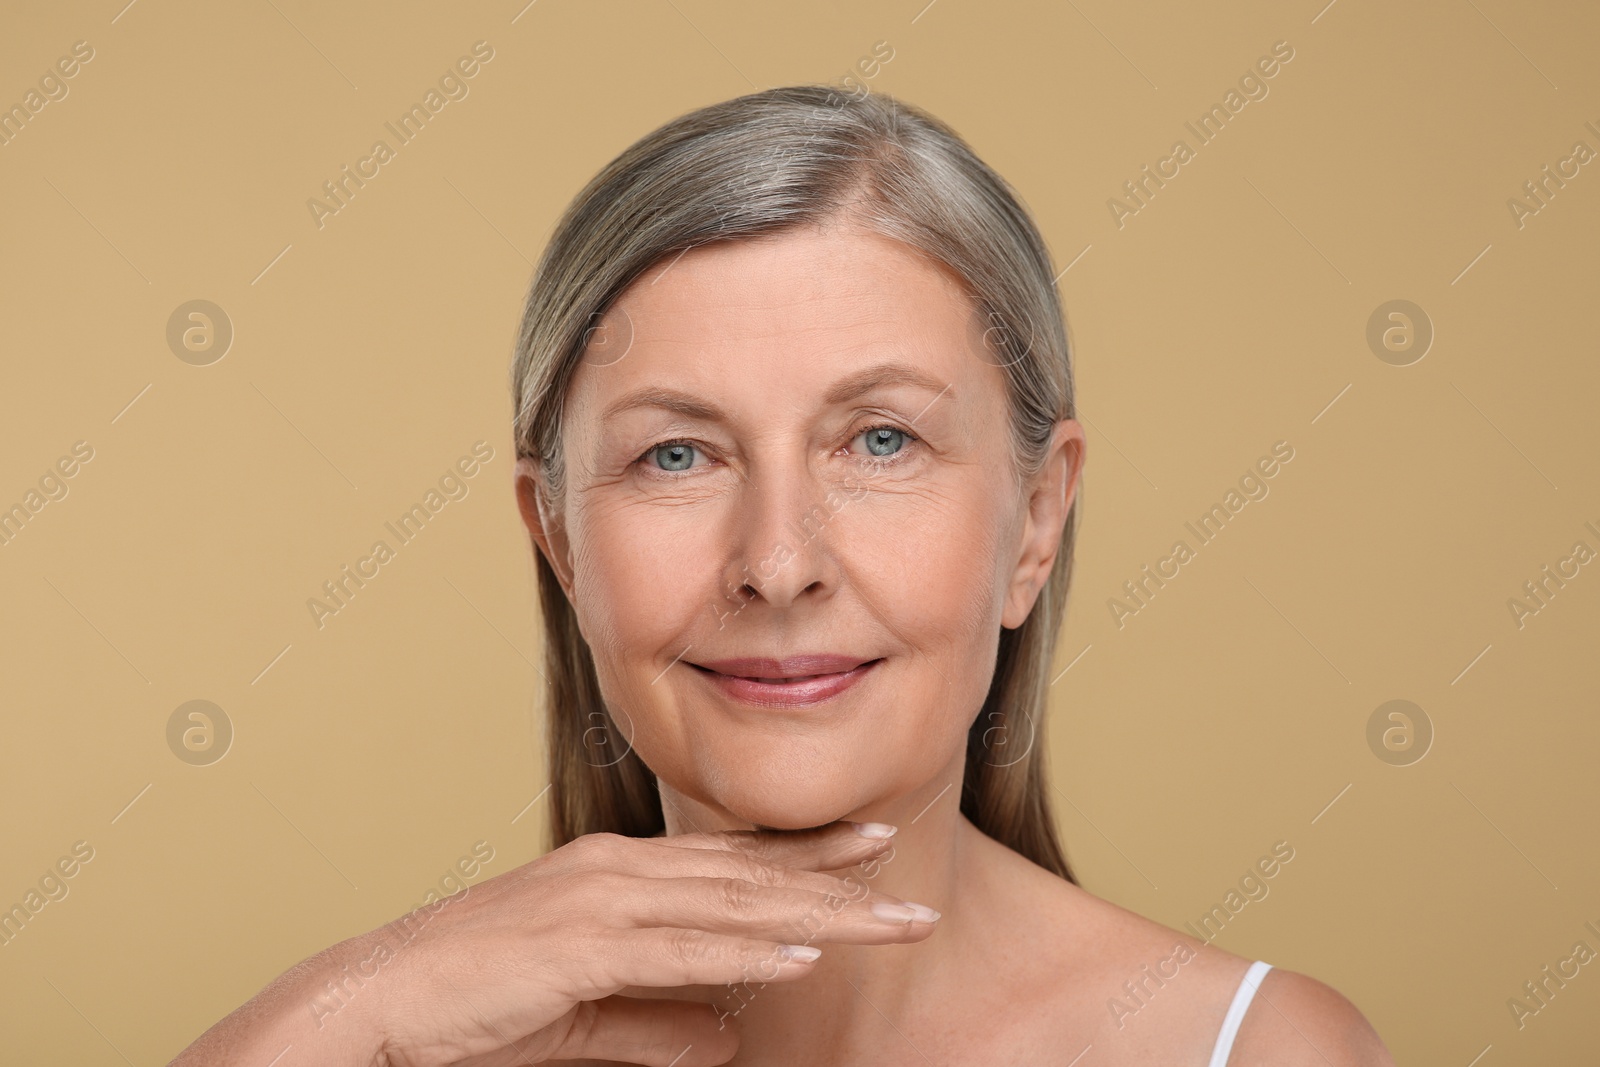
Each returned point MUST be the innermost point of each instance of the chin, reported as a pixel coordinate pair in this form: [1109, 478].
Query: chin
[793, 819]
[795, 769]
[785, 809]
[802, 803]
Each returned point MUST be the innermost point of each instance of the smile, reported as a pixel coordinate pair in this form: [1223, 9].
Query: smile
[797, 681]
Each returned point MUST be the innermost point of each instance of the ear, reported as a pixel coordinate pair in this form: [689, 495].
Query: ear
[545, 528]
[1050, 496]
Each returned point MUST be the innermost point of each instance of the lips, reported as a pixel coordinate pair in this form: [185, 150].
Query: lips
[789, 667]
[794, 681]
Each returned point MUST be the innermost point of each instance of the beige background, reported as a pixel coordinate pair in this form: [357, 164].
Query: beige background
[1230, 313]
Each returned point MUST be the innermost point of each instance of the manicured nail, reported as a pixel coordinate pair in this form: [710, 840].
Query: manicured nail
[895, 913]
[802, 953]
[925, 914]
[874, 829]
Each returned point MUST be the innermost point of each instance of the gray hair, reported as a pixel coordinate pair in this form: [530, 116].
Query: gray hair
[758, 165]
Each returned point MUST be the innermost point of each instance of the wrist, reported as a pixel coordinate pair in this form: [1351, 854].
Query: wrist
[340, 998]
[285, 1015]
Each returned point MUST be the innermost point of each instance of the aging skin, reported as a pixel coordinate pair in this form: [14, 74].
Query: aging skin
[792, 532]
[814, 422]
[735, 389]
[800, 348]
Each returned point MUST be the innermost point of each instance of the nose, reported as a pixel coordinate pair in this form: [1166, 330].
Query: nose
[783, 537]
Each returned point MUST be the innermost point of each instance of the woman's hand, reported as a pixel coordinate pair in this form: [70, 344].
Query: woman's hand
[526, 966]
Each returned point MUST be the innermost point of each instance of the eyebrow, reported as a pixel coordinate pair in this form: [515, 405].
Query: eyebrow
[848, 388]
[866, 380]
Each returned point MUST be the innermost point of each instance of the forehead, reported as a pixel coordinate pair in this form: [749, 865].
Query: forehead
[789, 311]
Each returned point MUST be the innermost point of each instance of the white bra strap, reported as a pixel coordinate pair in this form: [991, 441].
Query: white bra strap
[1241, 1003]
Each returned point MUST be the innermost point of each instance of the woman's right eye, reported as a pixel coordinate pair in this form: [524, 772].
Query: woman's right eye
[675, 456]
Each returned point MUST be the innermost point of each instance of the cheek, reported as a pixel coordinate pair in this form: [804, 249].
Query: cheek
[929, 561]
[644, 577]
[917, 576]
[638, 593]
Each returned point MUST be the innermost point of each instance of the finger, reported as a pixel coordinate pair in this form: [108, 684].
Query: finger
[775, 913]
[650, 859]
[661, 1033]
[824, 848]
[602, 962]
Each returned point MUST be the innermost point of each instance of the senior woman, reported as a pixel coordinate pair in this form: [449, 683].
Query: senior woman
[794, 418]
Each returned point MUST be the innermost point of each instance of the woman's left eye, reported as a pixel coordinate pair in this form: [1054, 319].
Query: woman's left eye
[884, 441]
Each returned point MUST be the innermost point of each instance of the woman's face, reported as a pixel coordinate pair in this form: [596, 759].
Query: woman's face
[789, 458]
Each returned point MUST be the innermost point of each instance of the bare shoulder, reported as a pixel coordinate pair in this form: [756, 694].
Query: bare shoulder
[1297, 1020]
[1099, 974]
[1144, 992]
[1103, 940]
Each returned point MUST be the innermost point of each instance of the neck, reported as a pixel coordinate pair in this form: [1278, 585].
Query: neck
[843, 1004]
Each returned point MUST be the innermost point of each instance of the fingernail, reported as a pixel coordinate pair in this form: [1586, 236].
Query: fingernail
[925, 914]
[803, 953]
[874, 829]
[895, 913]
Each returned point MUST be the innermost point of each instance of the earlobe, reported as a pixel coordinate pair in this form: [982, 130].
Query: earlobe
[548, 535]
[1050, 498]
